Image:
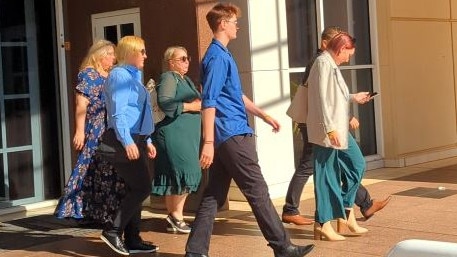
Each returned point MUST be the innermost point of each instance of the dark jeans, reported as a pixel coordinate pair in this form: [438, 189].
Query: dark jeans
[301, 176]
[138, 182]
[236, 158]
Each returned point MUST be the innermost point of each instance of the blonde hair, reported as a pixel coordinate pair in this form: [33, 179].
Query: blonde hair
[330, 32]
[127, 46]
[169, 54]
[95, 53]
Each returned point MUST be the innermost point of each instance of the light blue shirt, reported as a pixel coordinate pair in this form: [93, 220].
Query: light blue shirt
[128, 104]
[222, 90]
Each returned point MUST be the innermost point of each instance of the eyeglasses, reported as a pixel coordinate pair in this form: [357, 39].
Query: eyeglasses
[234, 22]
[183, 58]
[143, 51]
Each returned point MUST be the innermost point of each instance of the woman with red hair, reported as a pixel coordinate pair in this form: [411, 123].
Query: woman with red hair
[338, 162]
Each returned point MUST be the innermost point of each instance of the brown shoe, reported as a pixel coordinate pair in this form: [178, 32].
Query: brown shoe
[375, 207]
[296, 219]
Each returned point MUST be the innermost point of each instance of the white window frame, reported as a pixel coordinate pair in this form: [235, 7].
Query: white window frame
[115, 18]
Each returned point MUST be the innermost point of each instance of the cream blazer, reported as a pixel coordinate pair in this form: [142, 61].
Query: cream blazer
[328, 103]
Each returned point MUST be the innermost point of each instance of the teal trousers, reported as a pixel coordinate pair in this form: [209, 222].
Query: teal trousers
[337, 176]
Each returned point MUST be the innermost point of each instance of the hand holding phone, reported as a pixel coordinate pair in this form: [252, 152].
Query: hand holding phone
[373, 94]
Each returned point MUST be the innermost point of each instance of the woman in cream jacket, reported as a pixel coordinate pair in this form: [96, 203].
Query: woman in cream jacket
[338, 161]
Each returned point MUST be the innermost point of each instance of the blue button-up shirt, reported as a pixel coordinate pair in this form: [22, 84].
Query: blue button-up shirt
[128, 104]
[222, 90]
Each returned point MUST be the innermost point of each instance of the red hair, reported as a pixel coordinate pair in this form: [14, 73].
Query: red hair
[340, 41]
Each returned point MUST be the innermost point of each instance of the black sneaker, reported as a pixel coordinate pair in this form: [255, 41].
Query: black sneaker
[179, 225]
[171, 229]
[143, 247]
[115, 242]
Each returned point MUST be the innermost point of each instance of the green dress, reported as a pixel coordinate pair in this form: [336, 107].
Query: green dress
[177, 138]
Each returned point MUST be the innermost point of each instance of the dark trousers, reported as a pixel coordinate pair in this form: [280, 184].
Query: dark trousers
[138, 182]
[236, 158]
[302, 173]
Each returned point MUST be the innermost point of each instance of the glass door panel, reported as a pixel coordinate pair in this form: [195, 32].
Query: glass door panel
[21, 181]
[20, 154]
[305, 21]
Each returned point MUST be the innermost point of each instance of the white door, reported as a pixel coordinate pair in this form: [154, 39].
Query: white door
[114, 25]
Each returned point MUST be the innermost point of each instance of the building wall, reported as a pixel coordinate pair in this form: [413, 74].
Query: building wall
[417, 79]
[163, 23]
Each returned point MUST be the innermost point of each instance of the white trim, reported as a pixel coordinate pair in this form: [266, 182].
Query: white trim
[115, 18]
[376, 76]
[319, 19]
[356, 67]
[64, 114]
[345, 67]
[115, 13]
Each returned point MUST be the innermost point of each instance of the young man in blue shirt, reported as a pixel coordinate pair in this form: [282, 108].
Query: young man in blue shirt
[229, 146]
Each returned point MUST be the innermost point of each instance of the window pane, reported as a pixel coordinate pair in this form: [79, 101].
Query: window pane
[2, 179]
[18, 122]
[295, 80]
[352, 16]
[20, 175]
[111, 33]
[15, 71]
[301, 31]
[361, 81]
[12, 21]
[127, 29]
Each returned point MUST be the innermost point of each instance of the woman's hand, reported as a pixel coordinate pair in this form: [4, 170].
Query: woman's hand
[194, 106]
[361, 97]
[354, 123]
[132, 152]
[78, 140]
[334, 138]
[152, 152]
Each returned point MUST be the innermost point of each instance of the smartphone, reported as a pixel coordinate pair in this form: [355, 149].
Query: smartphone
[373, 94]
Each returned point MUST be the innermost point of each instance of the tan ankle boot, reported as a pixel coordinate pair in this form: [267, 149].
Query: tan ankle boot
[350, 223]
[326, 232]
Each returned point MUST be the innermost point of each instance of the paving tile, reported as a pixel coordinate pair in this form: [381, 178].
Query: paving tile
[409, 215]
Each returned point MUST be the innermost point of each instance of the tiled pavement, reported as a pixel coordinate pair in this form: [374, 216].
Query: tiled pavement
[423, 207]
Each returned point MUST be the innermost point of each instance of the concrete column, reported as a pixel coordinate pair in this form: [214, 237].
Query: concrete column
[261, 53]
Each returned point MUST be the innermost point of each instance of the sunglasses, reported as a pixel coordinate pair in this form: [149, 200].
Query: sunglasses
[143, 51]
[183, 58]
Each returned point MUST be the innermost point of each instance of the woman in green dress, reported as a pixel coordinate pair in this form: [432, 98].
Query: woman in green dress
[177, 137]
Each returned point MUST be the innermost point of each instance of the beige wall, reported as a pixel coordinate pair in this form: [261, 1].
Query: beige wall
[417, 40]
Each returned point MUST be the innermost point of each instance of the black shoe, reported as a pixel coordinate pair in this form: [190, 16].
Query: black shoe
[142, 247]
[195, 255]
[294, 251]
[179, 225]
[171, 229]
[115, 242]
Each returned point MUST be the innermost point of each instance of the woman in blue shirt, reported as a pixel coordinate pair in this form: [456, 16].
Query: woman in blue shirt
[127, 144]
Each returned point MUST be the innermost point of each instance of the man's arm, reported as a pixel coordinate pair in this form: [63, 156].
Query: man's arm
[207, 155]
[256, 111]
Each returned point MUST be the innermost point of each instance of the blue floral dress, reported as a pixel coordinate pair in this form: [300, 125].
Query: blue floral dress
[91, 182]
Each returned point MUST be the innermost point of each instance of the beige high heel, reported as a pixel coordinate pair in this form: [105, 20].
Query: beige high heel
[326, 232]
[351, 224]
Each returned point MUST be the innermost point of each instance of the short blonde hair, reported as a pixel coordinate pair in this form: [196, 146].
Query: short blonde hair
[127, 46]
[95, 53]
[169, 54]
